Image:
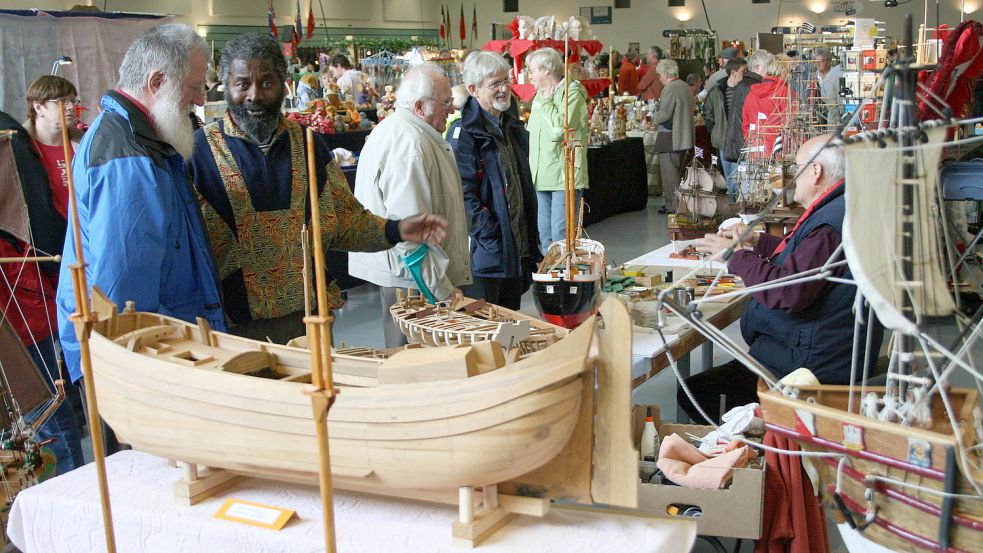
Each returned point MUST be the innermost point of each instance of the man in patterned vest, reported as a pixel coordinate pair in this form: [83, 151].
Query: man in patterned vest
[250, 168]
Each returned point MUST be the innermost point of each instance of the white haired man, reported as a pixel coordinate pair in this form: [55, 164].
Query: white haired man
[141, 232]
[806, 325]
[406, 167]
[675, 119]
[492, 152]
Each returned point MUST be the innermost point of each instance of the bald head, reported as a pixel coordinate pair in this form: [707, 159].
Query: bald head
[819, 168]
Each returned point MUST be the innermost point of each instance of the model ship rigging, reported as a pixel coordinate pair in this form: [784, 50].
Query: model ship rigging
[567, 285]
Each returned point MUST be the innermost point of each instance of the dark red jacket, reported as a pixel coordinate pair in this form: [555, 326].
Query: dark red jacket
[769, 97]
[33, 304]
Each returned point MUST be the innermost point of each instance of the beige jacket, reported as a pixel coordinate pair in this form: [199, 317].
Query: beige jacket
[676, 106]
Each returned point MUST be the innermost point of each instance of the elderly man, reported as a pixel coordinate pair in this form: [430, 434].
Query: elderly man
[676, 129]
[649, 85]
[406, 167]
[808, 324]
[250, 168]
[725, 56]
[141, 232]
[828, 77]
[492, 151]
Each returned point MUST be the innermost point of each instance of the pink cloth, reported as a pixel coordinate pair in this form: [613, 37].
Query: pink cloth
[688, 466]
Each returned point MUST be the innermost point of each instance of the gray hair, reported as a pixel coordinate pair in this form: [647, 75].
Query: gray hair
[249, 47]
[548, 59]
[760, 61]
[417, 84]
[822, 53]
[655, 52]
[832, 160]
[480, 65]
[667, 68]
[165, 48]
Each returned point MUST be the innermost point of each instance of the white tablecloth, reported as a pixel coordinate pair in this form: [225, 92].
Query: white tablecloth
[660, 258]
[63, 515]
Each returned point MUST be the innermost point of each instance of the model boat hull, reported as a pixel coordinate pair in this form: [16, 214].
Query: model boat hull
[222, 401]
[905, 519]
[567, 287]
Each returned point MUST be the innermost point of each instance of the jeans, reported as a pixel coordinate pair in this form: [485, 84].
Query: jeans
[730, 173]
[551, 216]
[61, 425]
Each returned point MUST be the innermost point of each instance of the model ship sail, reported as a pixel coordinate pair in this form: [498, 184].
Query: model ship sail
[873, 245]
[567, 286]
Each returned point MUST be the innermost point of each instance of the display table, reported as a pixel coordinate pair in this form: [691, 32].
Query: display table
[353, 141]
[618, 181]
[63, 515]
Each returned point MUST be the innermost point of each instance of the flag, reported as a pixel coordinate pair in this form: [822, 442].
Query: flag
[807, 28]
[271, 13]
[310, 20]
[464, 28]
[474, 22]
[698, 152]
[448, 25]
[297, 25]
[443, 33]
[295, 41]
[777, 148]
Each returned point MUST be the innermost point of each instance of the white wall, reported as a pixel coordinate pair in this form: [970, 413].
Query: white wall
[643, 23]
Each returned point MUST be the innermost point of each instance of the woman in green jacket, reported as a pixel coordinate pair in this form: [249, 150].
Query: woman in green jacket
[546, 141]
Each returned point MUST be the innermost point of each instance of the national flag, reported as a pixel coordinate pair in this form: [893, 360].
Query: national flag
[777, 148]
[698, 152]
[310, 20]
[464, 28]
[448, 25]
[807, 28]
[271, 14]
[295, 41]
[297, 25]
[474, 22]
[443, 33]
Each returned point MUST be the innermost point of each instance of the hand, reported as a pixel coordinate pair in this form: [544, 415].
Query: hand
[454, 297]
[425, 227]
[734, 233]
[714, 243]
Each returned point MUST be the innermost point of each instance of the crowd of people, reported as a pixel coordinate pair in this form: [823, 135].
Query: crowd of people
[208, 223]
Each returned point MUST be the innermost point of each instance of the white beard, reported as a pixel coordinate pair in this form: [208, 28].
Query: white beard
[172, 119]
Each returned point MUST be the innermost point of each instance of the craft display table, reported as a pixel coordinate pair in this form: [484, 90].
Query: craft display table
[618, 179]
[63, 515]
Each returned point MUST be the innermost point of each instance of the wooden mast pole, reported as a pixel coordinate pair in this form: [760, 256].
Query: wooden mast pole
[319, 342]
[82, 319]
[568, 160]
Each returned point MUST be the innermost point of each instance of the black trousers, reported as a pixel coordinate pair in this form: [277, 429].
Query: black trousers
[506, 292]
[731, 379]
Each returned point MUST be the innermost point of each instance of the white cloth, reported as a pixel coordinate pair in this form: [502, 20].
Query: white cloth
[407, 168]
[350, 83]
[63, 515]
[829, 90]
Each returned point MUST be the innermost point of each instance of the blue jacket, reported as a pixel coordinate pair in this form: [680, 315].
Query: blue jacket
[141, 230]
[819, 337]
[494, 252]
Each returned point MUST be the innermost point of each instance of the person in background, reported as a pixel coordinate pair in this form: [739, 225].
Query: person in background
[628, 77]
[546, 152]
[695, 84]
[325, 79]
[460, 94]
[677, 130]
[829, 76]
[649, 85]
[213, 92]
[716, 112]
[348, 79]
[807, 325]
[757, 63]
[492, 152]
[307, 91]
[766, 104]
[726, 55]
[250, 168]
[406, 167]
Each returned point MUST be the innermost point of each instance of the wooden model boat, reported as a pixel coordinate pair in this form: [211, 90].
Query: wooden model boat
[567, 287]
[469, 321]
[900, 517]
[184, 392]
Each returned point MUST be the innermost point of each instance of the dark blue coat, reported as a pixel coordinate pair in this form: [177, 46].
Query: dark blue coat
[494, 252]
[820, 337]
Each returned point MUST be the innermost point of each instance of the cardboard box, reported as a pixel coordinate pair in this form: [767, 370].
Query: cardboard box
[734, 512]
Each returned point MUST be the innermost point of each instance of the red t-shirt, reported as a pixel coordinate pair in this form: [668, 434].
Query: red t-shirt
[53, 159]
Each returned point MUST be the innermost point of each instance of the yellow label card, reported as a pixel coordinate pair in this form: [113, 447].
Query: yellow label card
[254, 514]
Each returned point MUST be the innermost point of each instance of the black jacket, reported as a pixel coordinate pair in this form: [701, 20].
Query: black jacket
[734, 141]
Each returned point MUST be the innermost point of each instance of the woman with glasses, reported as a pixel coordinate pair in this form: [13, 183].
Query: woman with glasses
[44, 125]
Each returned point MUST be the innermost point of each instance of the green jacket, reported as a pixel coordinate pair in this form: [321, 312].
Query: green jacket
[545, 128]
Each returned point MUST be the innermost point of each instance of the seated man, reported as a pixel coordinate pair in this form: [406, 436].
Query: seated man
[251, 169]
[808, 324]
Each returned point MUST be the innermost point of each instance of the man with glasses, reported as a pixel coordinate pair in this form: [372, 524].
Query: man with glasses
[492, 151]
[406, 167]
[251, 169]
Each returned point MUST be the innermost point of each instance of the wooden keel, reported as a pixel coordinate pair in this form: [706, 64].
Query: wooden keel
[196, 487]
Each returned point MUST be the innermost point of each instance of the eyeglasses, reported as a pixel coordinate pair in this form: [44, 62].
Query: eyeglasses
[448, 104]
[507, 82]
[69, 102]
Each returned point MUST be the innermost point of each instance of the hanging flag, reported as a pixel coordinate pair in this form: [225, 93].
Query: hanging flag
[807, 28]
[448, 26]
[271, 13]
[474, 22]
[295, 41]
[698, 152]
[443, 33]
[464, 28]
[297, 25]
[310, 20]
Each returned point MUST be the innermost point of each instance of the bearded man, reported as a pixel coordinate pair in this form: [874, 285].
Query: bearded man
[251, 169]
[141, 231]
